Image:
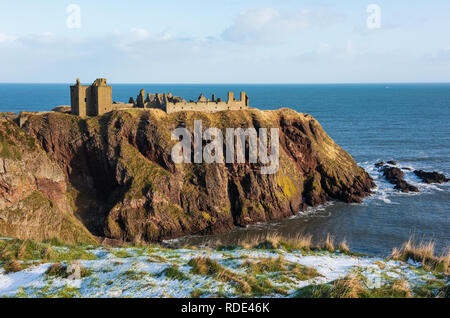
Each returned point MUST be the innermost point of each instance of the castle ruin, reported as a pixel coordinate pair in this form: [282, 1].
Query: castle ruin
[97, 99]
[91, 100]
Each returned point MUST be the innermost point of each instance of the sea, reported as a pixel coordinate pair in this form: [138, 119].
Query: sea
[408, 123]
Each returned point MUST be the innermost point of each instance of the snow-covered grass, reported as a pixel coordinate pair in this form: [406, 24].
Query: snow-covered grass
[155, 271]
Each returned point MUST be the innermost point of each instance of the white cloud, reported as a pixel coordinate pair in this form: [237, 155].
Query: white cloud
[139, 34]
[6, 38]
[272, 26]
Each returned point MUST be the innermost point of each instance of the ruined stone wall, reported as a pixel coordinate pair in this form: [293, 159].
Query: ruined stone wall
[117, 106]
[209, 106]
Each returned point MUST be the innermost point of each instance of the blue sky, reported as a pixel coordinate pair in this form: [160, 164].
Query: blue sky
[245, 41]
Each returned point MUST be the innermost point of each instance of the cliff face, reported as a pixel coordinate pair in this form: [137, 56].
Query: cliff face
[125, 185]
[34, 202]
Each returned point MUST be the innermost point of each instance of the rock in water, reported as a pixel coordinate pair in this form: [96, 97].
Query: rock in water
[404, 186]
[118, 173]
[395, 176]
[379, 164]
[431, 177]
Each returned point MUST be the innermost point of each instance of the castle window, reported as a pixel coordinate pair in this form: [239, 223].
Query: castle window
[85, 99]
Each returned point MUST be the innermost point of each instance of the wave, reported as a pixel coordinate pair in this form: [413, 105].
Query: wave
[317, 211]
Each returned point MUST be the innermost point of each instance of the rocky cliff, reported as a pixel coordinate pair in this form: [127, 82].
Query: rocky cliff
[118, 173]
[34, 198]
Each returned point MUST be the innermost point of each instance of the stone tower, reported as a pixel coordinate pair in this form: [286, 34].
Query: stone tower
[91, 100]
[101, 95]
[79, 98]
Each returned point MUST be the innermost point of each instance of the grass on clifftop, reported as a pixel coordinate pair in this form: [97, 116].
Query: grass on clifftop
[287, 243]
[354, 286]
[260, 271]
[248, 284]
[14, 250]
[424, 253]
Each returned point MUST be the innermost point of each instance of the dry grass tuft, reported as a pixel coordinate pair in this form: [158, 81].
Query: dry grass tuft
[281, 266]
[205, 266]
[270, 264]
[303, 242]
[328, 245]
[13, 267]
[423, 252]
[273, 241]
[402, 287]
[58, 270]
[343, 247]
[349, 287]
[76, 270]
[248, 284]
[355, 286]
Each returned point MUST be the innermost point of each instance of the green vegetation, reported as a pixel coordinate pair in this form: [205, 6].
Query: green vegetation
[197, 293]
[65, 271]
[13, 266]
[66, 292]
[172, 272]
[121, 253]
[250, 285]
[432, 288]
[156, 259]
[28, 250]
[280, 266]
[231, 272]
[355, 286]
[205, 266]
[13, 141]
[133, 275]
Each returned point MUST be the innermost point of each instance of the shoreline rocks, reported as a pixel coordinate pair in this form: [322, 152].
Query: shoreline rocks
[395, 176]
[431, 177]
